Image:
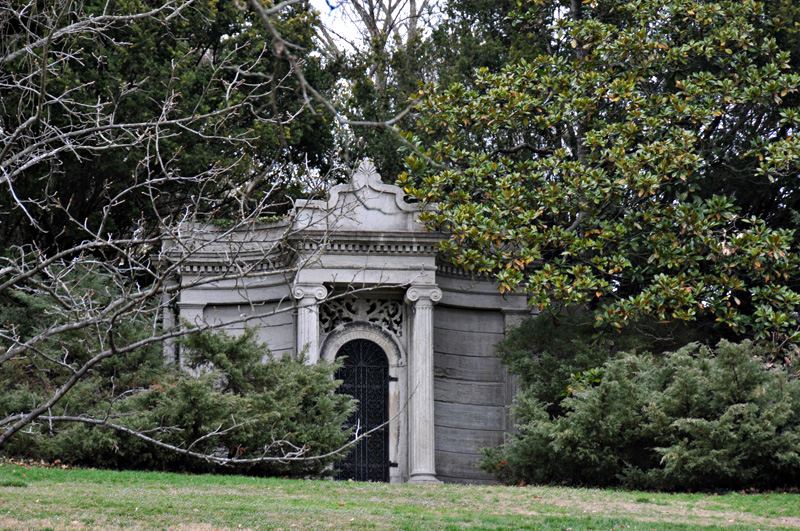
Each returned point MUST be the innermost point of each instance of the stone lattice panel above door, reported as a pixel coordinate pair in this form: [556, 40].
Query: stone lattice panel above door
[386, 313]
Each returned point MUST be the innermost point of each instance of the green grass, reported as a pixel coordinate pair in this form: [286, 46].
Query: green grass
[45, 498]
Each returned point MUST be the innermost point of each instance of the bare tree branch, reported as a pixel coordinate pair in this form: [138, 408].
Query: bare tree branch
[44, 121]
[297, 453]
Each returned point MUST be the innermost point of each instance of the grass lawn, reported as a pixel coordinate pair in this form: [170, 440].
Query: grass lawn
[54, 499]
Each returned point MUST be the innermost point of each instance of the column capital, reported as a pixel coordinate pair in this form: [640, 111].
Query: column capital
[310, 291]
[423, 293]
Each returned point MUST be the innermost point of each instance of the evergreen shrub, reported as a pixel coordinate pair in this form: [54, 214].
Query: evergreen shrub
[691, 419]
[250, 400]
[552, 354]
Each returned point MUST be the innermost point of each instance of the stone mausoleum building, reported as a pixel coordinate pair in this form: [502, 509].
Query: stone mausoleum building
[358, 277]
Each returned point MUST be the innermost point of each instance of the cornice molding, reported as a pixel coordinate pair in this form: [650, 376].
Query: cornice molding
[449, 270]
[242, 266]
[368, 248]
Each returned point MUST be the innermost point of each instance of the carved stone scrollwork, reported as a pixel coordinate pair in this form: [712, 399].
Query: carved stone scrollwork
[416, 293]
[388, 314]
[301, 291]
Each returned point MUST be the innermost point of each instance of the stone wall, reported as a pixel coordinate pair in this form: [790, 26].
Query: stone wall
[470, 394]
[273, 321]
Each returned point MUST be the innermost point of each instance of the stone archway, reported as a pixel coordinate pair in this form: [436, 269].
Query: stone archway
[365, 376]
[396, 386]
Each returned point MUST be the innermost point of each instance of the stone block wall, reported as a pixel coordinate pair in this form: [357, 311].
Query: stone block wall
[470, 391]
[273, 321]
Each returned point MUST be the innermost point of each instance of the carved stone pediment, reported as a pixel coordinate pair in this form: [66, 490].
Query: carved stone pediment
[364, 204]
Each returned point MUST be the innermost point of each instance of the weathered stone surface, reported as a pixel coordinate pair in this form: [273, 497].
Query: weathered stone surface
[467, 441]
[469, 416]
[463, 392]
[466, 343]
[473, 320]
[463, 466]
[479, 369]
[460, 290]
[274, 323]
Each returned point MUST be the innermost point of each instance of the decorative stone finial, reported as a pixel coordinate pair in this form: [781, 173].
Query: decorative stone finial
[365, 175]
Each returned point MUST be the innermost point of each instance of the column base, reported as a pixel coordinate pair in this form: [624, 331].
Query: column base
[423, 479]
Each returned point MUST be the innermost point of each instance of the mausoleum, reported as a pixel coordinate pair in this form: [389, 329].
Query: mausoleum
[356, 276]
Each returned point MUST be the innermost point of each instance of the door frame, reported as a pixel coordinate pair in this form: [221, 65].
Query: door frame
[398, 425]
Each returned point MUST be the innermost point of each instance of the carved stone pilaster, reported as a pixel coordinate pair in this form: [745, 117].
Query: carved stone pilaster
[169, 318]
[422, 456]
[512, 318]
[307, 297]
[192, 314]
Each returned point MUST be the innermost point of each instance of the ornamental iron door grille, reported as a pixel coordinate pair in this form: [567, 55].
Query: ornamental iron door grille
[365, 376]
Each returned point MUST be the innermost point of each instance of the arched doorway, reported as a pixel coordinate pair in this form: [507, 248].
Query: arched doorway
[365, 376]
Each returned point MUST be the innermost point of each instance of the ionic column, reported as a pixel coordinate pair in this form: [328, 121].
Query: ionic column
[421, 441]
[308, 297]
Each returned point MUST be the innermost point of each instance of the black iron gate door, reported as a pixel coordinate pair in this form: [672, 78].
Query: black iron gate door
[365, 376]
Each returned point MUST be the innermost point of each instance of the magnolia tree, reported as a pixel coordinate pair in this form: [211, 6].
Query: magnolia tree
[645, 165]
[122, 124]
